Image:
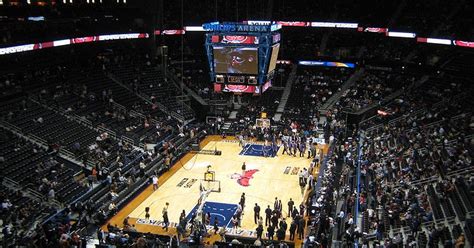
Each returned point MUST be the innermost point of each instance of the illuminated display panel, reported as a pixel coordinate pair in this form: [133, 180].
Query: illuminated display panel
[235, 60]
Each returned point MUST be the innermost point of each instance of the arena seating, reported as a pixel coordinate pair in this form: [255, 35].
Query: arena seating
[267, 103]
[145, 79]
[39, 181]
[316, 86]
[426, 140]
[76, 122]
[372, 88]
[21, 215]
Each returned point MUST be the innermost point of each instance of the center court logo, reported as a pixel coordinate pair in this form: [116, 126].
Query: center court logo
[244, 180]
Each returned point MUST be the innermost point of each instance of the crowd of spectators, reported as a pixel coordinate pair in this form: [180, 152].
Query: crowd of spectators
[372, 88]
[45, 183]
[128, 236]
[112, 169]
[420, 145]
[18, 214]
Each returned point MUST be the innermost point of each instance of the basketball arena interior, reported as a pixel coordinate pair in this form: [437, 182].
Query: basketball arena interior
[236, 123]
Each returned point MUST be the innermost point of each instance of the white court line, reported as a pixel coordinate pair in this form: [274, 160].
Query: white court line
[249, 146]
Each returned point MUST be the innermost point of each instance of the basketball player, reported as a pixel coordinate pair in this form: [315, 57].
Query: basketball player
[154, 180]
[294, 145]
[241, 140]
[235, 222]
[302, 148]
[216, 225]
[166, 220]
[285, 148]
[203, 193]
[264, 150]
[274, 146]
[242, 201]
[147, 213]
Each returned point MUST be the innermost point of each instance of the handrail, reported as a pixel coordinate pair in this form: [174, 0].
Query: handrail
[134, 113]
[82, 120]
[102, 129]
[10, 126]
[422, 181]
[119, 106]
[175, 81]
[18, 132]
[38, 139]
[9, 183]
[461, 171]
[127, 140]
[146, 98]
[66, 153]
[90, 164]
[358, 73]
[459, 116]
[56, 203]
[35, 194]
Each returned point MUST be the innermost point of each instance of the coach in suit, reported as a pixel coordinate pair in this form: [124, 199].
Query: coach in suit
[291, 203]
[271, 232]
[256, 213]
[268, 215]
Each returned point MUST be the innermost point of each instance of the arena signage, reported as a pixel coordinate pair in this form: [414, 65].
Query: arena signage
[229, 231]
[194, 28]
[464, 43]
[401, 34]
[372, 30]
[326, 63]
[123, 36]
[229, 27]
[259, 22]
[36, 18]
[275, 27]
[294, 24]
[64, 42]
[16, 49]
[334, 25]
[434, 41]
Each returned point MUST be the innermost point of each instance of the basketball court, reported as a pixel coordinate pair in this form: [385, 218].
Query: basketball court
[264, 179]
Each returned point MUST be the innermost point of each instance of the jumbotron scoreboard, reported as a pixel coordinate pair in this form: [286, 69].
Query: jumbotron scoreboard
[242, 56]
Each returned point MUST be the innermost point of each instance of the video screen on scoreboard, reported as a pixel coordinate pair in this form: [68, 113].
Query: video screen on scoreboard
[274, 57]
[236, 88]
[236, 60]
[235, 39]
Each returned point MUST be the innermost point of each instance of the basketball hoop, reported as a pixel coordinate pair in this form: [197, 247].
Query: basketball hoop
[262, 122]
[212, 185]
